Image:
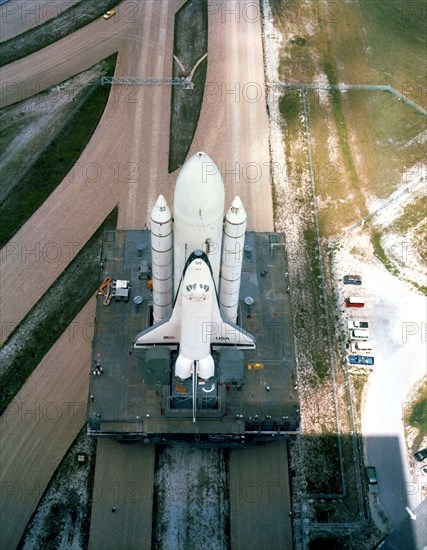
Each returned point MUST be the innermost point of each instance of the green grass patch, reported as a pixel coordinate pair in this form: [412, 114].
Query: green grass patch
[67, 22]
[190, 44]
[366, 42]
[380, 253]
[413, 214]
[46, 321]
[313, 284]
[341, 127]
[290, 106]
[55, 162]
[416, 415]
[386, 138]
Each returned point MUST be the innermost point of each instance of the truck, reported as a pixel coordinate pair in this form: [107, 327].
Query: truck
[355, 301]
[353, 323]
[352, 280]
[359, 334]
[371, 474]
[361, 347]
[360, 360]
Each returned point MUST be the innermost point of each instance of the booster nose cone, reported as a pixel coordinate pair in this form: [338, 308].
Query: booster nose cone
[236, 214]
[160, 212]
[199, 191]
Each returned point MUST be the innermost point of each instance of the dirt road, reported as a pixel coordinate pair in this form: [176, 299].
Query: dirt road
[33, 447]
[40, 424]
[109, 170]
[125, 162]
[18, 16]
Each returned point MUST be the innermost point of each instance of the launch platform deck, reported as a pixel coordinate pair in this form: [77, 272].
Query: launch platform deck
[129, 399]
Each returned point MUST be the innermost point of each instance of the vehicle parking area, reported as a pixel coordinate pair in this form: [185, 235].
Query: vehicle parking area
[396, 314]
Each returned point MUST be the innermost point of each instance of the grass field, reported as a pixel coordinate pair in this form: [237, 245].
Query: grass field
[365, 42]
[361, 144]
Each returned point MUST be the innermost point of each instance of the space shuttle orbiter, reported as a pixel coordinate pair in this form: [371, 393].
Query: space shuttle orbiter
[189, 310]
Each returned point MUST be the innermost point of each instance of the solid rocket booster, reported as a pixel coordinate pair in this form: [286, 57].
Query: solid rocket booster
[232, 258]
[198, 214]
[161, 259]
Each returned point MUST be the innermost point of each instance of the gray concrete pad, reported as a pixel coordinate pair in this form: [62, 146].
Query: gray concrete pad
[260, 498]
[124, 482]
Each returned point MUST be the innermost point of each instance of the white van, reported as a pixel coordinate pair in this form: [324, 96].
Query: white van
[361, 347]
[359, 334]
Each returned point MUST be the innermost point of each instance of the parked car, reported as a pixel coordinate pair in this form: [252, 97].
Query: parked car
[352, 280]
[353, 323]
[361, 360]
[371, 474]
[355, 301]
[421, 455]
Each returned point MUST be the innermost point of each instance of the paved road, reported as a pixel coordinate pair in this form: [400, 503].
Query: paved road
[233, 124]
[409, 534]
[31, 453]
[132, 170]
[400, 359]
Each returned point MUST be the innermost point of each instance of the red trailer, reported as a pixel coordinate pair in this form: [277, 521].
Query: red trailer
[355, 301]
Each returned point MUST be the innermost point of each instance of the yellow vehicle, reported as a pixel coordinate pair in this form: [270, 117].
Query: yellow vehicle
[109, 14]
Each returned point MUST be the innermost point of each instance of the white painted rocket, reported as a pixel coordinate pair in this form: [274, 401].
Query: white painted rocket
[193, 314]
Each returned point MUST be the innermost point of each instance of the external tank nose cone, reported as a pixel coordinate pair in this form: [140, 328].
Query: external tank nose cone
[199, 190]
